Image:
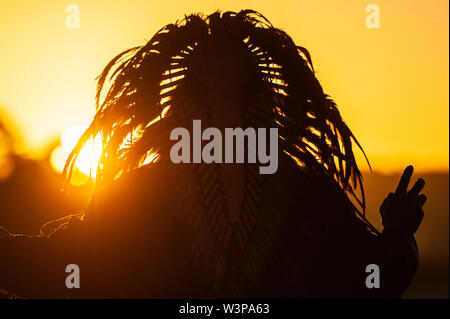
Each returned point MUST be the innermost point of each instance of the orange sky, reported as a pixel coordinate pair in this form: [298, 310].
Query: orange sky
[391, 83]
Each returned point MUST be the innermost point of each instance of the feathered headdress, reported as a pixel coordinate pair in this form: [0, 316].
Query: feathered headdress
[147, 90]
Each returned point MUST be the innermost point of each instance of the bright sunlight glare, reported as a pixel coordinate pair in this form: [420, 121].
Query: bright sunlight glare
[87, 159]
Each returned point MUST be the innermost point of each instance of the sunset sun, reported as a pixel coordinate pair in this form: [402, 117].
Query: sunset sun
[87, 159]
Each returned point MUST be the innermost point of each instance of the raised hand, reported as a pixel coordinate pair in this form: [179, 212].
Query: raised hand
[402, 211]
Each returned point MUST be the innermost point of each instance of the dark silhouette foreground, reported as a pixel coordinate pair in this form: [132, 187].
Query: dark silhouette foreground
[219, 230]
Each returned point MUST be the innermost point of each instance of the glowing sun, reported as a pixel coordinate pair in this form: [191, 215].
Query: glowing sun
[87, 159]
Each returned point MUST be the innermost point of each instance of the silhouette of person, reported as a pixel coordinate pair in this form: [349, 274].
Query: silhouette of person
[158, 229]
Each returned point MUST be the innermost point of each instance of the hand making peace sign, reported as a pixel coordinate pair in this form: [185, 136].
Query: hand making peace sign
[402, 211]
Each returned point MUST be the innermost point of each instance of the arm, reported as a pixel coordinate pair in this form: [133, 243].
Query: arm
[401, 213]
[34, 266]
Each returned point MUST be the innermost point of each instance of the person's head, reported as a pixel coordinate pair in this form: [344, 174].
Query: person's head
[229, 70]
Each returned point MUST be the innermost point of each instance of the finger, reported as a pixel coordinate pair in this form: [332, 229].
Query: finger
[418, 186]
[422, 199]
[404, 180]
[388, 199]
[384, 204]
